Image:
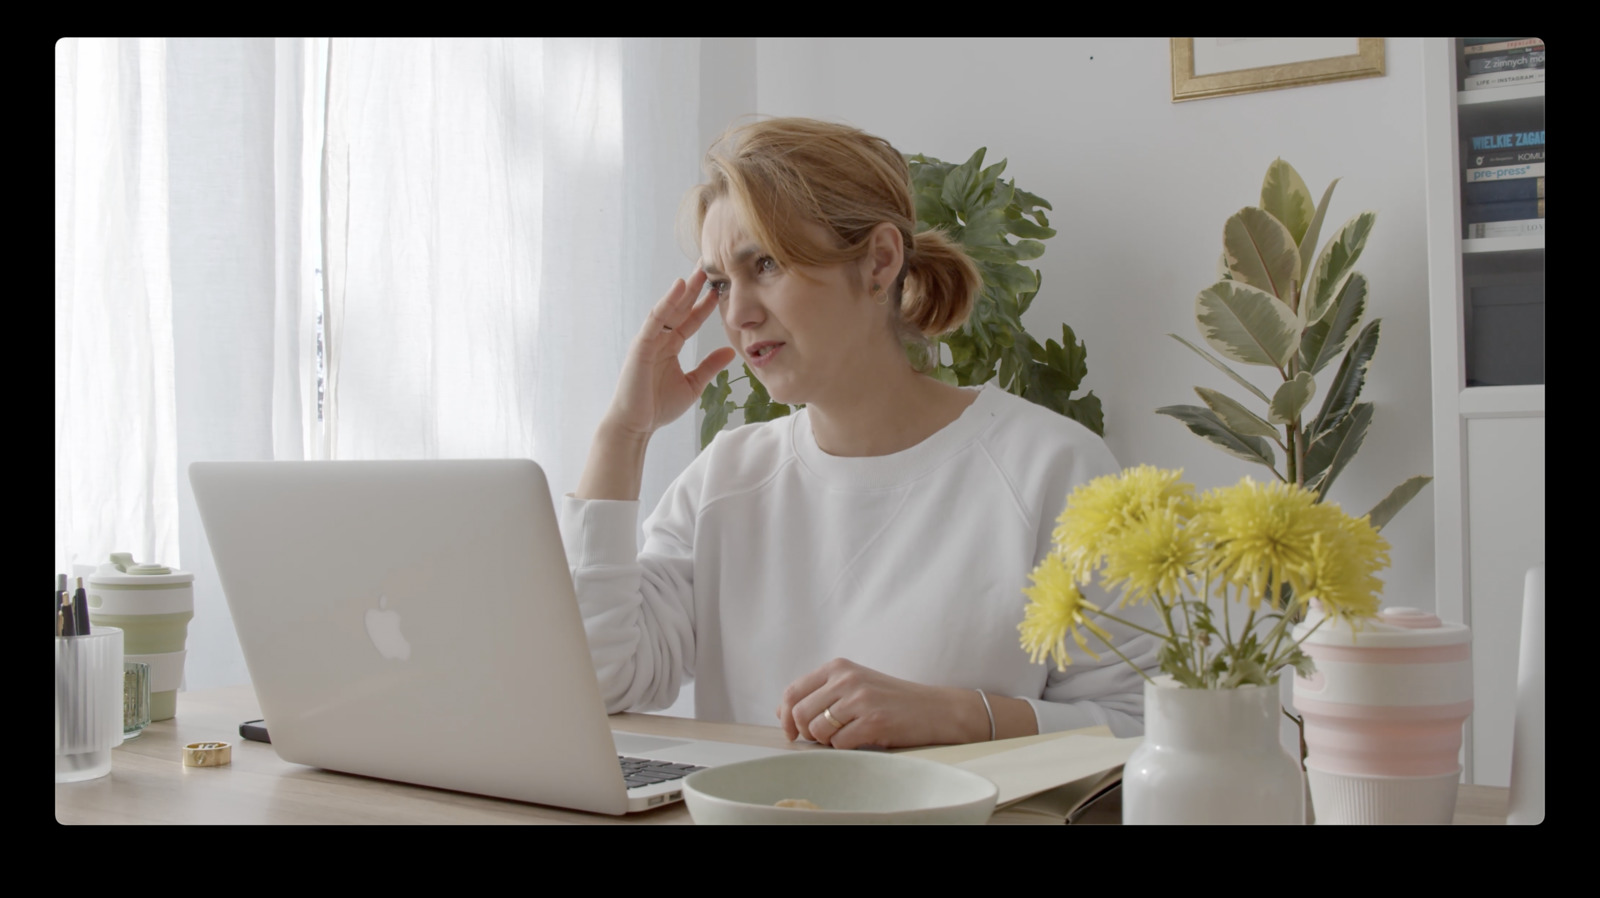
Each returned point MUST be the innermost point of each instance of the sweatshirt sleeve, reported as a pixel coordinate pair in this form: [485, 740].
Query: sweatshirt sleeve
[637, 607]
[1090, 691]
[1108, 691]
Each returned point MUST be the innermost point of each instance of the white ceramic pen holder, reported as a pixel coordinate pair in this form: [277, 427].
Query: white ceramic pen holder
[89, 679]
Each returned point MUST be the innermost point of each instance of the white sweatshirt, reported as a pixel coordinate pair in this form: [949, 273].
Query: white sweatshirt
[767, 557]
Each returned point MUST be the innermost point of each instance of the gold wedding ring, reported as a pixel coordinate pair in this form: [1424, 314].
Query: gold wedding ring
[207, 754]
[828, 713]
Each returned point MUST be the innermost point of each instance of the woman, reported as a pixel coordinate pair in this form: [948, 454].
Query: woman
[857, 567]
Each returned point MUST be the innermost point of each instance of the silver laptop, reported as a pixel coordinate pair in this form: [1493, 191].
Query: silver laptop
[415, 621]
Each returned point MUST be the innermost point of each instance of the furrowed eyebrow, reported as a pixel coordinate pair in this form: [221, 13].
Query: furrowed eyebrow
[738, 259]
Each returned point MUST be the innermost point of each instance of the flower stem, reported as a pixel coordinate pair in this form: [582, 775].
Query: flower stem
[1296, 644]
[1117, 620]
[1125, 659]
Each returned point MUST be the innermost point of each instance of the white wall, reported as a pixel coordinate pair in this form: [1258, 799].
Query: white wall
[1141, 187]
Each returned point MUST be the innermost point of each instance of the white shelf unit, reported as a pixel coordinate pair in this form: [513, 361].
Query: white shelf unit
[1486, 302]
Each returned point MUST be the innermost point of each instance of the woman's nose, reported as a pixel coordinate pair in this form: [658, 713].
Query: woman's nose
[743, 309]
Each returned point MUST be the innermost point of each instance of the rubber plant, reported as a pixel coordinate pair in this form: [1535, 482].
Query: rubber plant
[1001, 227]
[1281, 304]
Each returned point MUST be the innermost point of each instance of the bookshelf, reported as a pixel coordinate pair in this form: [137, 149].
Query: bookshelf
[1486, 313]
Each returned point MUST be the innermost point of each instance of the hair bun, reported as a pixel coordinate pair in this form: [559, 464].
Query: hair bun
[942, 282]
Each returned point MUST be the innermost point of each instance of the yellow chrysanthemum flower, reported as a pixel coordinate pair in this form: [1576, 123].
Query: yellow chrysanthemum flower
[1156, 558]
[1262, 534]
[1056, 608]
[1099, 511]
[1346, 555]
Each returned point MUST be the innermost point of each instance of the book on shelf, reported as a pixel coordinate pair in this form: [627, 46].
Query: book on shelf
[1505, 140]
[1505, 172]
[1510, 210]
[1474, 45]
[1493, 158]
[1527, 227]
[1503, 191]
[1510, 60]
[1504, 79]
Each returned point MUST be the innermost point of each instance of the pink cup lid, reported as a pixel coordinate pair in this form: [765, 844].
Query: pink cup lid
[1396, 627]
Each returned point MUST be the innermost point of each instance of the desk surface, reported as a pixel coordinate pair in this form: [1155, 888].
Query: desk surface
[149, 784]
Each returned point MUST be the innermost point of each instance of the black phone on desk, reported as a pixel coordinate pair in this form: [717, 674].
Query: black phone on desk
[255, 731]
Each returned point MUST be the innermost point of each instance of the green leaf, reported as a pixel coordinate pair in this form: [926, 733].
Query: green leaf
[1028, 249]
[1328, 455]
[1308, 242]
[1302, 663]
[1246, 324]
[1261, 252]
[1238, 419]
[760, 407]
[960, 186]
[1292, 398]
[1205, 423]
[1070, 357]
[1224, 368]
[717, 407]
[1384, 511]
[1346, 386]
[1285, 196]
[945, 375]
[1086, 410]
[1030, 202]
[1323, 341]
[1337, 259]
[1022, 227]
[1246, 671]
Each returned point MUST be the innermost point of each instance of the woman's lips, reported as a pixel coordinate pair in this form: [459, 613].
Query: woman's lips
[760, 354]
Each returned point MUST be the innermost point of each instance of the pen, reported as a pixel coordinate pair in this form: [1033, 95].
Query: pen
[67, 619]
[80, 609]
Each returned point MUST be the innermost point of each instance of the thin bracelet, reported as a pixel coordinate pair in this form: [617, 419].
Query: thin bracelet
[989, 711]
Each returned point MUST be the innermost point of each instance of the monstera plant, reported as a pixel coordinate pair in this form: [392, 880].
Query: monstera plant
[1001, 227]
[1281, 304]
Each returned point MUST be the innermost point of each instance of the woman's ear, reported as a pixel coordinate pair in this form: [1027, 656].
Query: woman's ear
[886, 254]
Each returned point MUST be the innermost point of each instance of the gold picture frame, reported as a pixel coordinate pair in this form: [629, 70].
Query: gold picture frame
[1303, 66]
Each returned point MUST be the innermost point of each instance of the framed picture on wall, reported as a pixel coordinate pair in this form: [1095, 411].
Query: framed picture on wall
[1219, 66]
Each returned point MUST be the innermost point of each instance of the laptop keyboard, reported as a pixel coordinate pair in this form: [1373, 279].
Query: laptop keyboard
[640, 772]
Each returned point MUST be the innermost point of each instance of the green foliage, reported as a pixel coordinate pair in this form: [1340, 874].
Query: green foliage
[1272, 306]
[1000, 227]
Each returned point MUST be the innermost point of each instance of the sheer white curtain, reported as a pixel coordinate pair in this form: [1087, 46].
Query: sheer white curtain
[493, 219]
[114, 411]
[499, 218]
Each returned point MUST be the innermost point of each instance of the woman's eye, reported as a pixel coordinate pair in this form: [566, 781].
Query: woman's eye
[766, 264]
[719, 287]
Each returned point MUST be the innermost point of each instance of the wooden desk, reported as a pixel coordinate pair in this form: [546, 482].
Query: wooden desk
[149, 784]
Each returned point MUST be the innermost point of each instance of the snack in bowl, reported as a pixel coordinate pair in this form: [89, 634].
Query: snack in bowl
[840, 787]
[796, 803]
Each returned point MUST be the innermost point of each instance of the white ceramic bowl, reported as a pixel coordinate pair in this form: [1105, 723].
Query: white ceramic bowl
[846, 786]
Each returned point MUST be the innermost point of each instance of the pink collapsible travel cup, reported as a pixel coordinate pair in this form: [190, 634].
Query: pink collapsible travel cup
[1383, 716]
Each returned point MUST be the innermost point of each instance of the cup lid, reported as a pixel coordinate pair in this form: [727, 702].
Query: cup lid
[1396, 627]
[122, 571]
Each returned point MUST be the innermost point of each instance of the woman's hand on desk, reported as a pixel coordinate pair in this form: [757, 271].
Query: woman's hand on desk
[865, 707]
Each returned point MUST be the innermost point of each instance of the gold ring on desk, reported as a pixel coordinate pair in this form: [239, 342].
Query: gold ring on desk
[207, 754]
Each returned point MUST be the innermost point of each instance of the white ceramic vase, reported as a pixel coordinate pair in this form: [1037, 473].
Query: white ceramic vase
[1211, 756]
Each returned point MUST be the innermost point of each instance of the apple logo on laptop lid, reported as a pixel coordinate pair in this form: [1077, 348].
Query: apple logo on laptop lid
[383, 628]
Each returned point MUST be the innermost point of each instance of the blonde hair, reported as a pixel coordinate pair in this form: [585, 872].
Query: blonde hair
[782, 172]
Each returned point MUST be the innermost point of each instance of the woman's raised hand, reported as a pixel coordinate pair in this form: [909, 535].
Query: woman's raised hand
[654, 389]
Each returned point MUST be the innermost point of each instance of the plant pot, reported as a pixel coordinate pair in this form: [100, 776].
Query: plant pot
[1211, 756]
